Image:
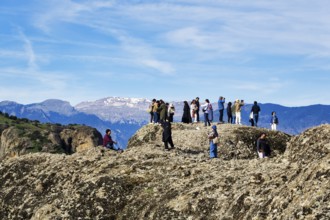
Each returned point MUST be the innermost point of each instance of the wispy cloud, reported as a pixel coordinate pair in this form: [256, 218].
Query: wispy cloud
[28, 49]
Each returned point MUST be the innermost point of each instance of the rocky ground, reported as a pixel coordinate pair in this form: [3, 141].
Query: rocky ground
[146, 182]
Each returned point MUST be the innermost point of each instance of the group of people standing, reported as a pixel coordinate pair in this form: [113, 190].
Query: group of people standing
[160, 111]
[191, 112]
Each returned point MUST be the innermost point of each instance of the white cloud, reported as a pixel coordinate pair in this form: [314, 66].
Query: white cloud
[28, 48]
[163, 67]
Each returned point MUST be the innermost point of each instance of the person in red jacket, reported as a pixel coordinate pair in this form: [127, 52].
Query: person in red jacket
[108, 142]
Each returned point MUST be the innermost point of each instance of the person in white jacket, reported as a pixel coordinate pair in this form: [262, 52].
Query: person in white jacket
[206, 108]
[193, 109]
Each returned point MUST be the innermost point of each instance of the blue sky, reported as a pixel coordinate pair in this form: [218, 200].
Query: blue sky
[264, 50]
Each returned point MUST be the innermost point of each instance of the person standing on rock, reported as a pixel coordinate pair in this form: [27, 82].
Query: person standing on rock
[263, 147]
[109, 143]
[162, 109]
[193, 109]
[251, 120]
[197, 108]
[238, 109]
[213, 138]
[255, 111]
[150, 110]
[233, 112]
[186, 118]
[274, 121]
[229, 113]
[154, 110]
[171, 112]
[206, 109]
[221, 107]
[167, 134]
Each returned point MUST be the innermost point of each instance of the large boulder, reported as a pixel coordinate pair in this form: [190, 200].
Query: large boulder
[311, 145]
[236, 141]
[18, 140]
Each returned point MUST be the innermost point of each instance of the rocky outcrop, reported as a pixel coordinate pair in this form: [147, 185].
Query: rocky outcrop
[236, 142]
[311, 145]
[28, 138]
[146, 182]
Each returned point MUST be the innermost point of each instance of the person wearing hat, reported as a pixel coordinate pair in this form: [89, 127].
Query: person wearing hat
[214, 139]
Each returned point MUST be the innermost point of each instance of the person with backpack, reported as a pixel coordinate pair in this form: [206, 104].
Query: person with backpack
[109, 143]
[255, 111]
[213, 139]
[274, 121]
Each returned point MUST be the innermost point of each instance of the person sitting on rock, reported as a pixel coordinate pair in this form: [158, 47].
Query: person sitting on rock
[109, 143]
[213, 138]
[263, 147]
[167, 134]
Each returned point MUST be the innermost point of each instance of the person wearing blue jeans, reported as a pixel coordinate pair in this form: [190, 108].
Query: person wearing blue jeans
[206, 109]
[213, 136]
[255, 110]
[221, 107]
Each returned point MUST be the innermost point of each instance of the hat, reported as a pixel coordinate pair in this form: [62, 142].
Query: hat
[197, 97]
[214, 127]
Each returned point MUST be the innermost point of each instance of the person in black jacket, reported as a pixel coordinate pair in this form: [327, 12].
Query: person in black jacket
[263, 147]
[186, 117]
[229, 113]
[255, 110]
[167, 134]
[197, 110]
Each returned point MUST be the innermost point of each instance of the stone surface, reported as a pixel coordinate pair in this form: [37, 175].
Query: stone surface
[27, 138]
[146, 182]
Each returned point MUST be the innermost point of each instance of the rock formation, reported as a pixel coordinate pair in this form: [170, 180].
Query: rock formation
[146, 182]
[19, 137]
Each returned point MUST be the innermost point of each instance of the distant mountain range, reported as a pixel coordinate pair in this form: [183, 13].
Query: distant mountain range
[126, 115]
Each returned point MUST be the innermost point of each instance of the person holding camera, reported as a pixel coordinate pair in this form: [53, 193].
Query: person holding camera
[238, 109]
[221, 107]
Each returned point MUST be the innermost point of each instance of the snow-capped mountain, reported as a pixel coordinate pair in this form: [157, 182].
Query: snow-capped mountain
[122, 110]
[116, 109]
